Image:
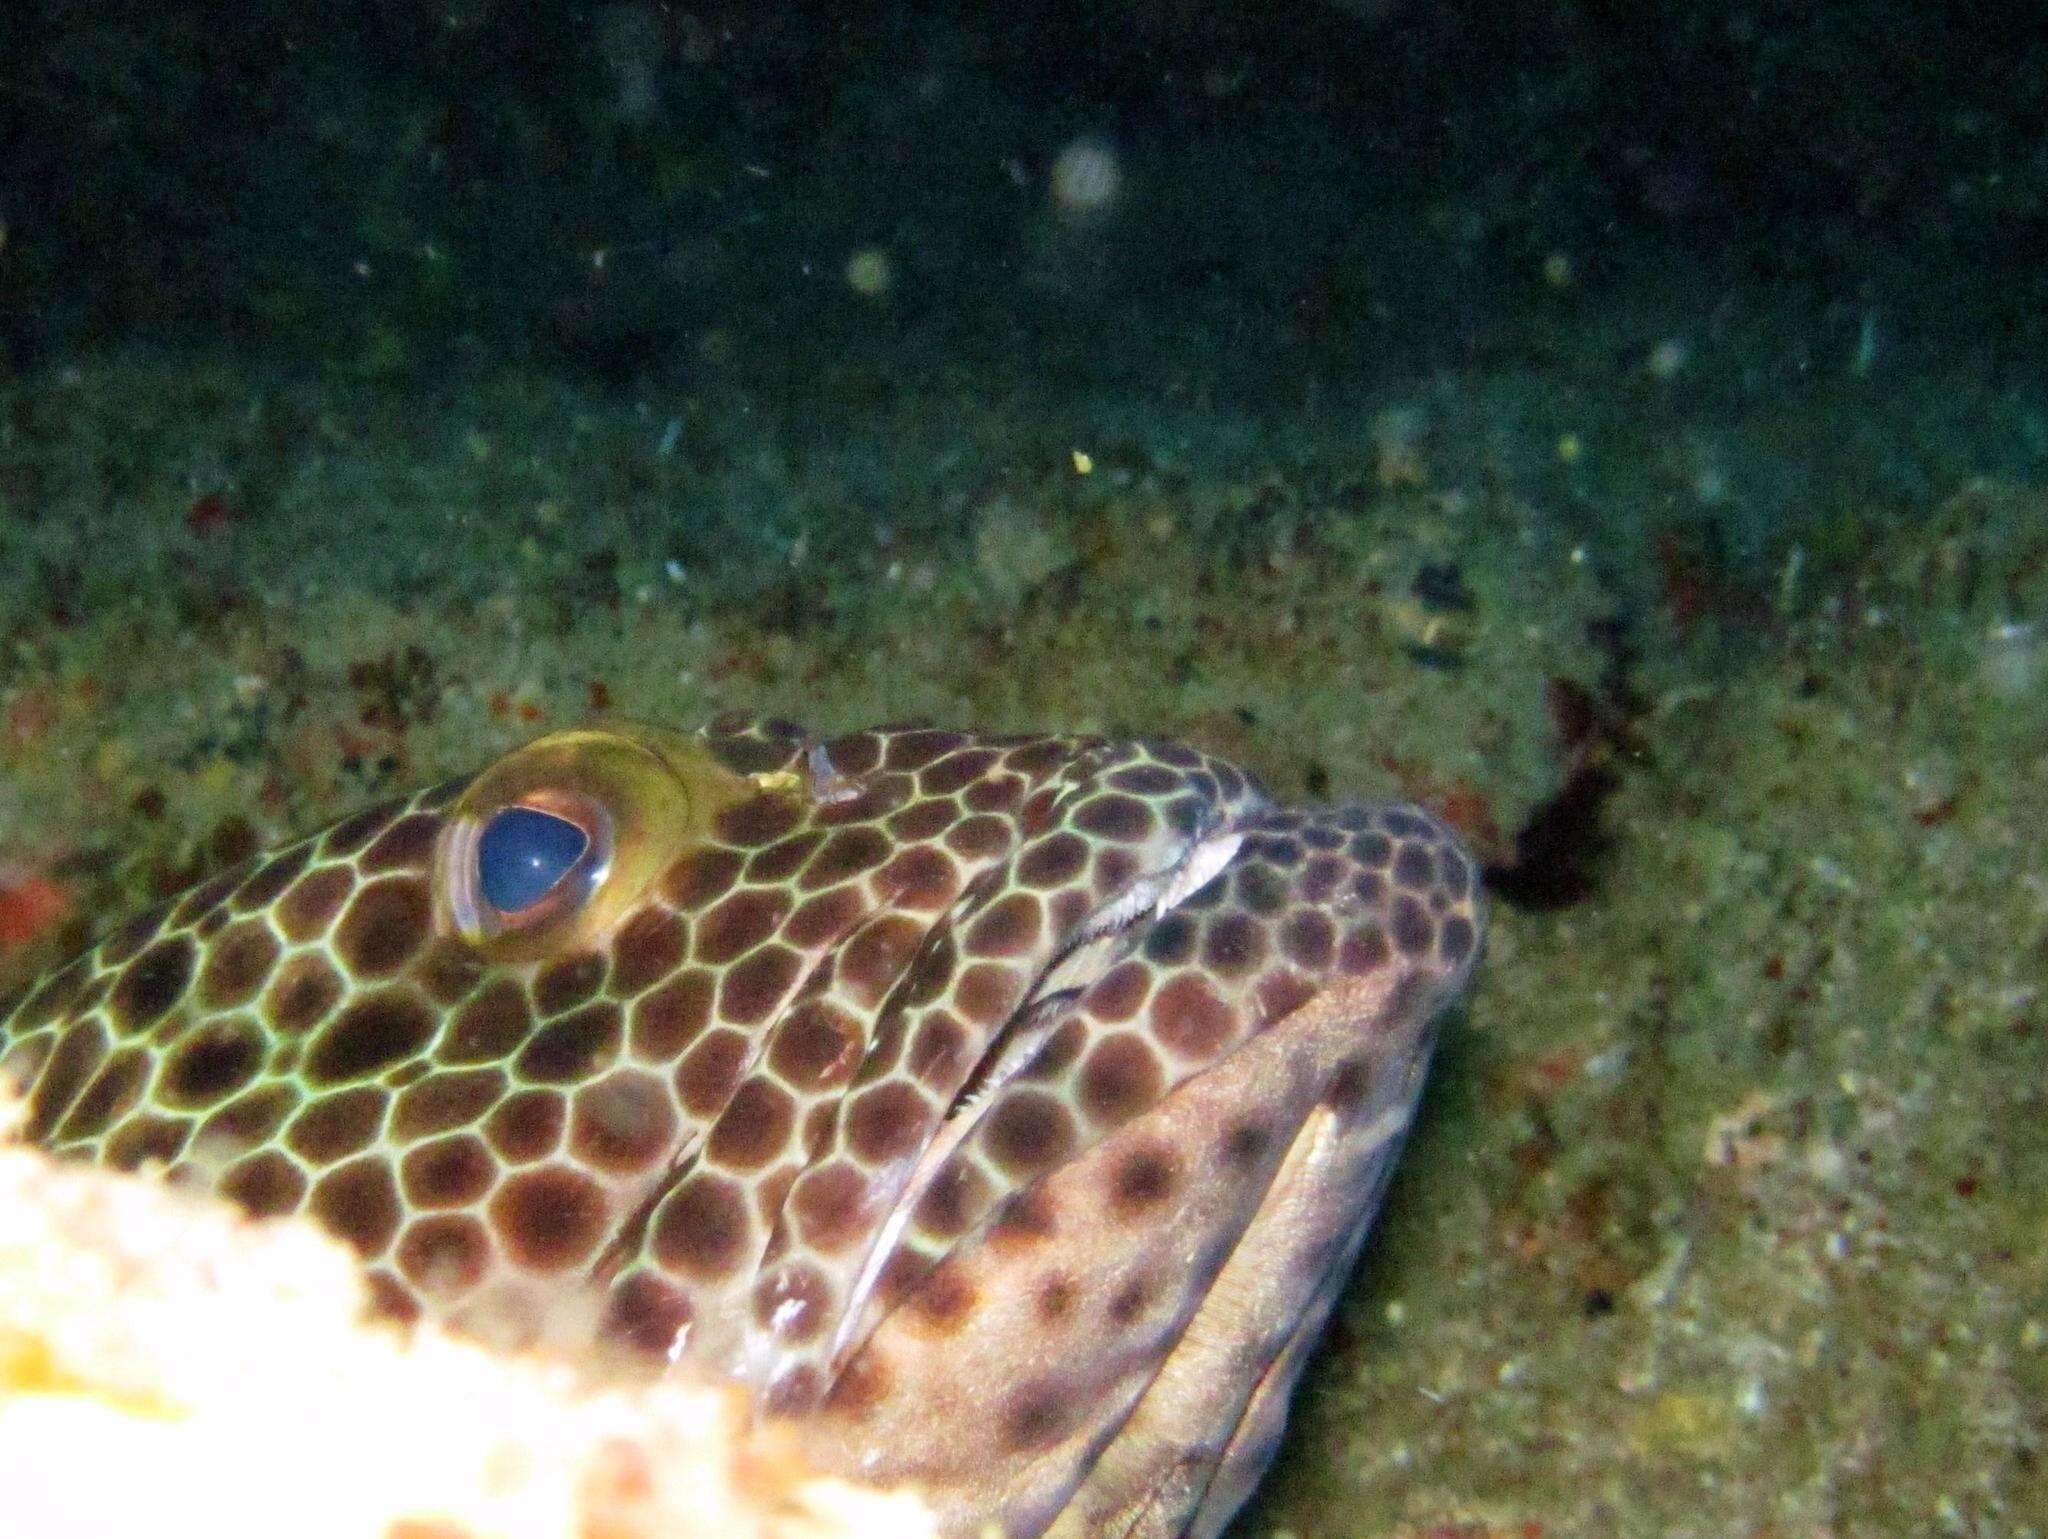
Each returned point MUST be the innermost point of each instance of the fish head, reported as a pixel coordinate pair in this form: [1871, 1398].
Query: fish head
[1004, 1111]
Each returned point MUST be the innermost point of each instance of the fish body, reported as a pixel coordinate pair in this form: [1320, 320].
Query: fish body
[1005, 1111]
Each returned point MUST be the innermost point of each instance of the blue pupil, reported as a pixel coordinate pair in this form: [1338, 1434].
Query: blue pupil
[523, 854]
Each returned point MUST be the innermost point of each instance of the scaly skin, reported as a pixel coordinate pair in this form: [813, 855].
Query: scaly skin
[1007, 1111]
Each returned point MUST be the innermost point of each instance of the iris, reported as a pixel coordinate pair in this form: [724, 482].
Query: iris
[522, 855]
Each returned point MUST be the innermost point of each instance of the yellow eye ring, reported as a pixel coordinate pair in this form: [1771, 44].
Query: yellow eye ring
[625, 801]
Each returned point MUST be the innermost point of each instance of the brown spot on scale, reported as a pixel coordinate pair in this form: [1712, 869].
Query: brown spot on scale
[816, 1045]
[77, 1058]
[862, 1385]
[754, 1127]
[1056, 1298]
[444, 1255]
[272, 878]
[875, 956]
[527, 1126]
[1410, 926]
[921, 879]
[151, 984]
[821, 920]
[914, 748]
[758, 820]
[1459, 938]
[359, 1203]
[1029, 1220]
[1121, 1078]
[251, 1119]
[921, 821]
[1128, 1304]
[1115, 817]
[1189, 1017]
[450, 1172]
[957, 1196]
[700, 1229]
[1246, 1143]
[1349, 1086]
[211, 1063]
[1117, 995]
[1038, 1415]
[1029, 1132]
[265, 1185]
[781, 860]
[886, 1123]
[351, 834]
[700, 877]
[706, 1078]
[941, 1304]
[986, 993]
[450, 969]
[829, 1205]
[740, 923]
[956, 771]
[938, 1053]
[309, 907]
[407, 845]
[550, 1218]
[625, 1123]
[1282, 993]
[1144, 1179]
[1233, 945]
[1009, 927]
[1309, 939]
[854, 753]
[983, 837]
[753, 989]
[236, 965]
[1365, 950]
[848, 853]
[390, 1299]
[647, 1312]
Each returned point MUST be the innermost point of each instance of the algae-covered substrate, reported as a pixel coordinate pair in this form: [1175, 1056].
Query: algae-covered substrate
[1728, 1210]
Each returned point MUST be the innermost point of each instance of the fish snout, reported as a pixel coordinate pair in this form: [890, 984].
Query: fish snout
[1185, 1175]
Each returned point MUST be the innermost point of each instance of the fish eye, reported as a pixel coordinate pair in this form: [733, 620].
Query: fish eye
[524, 854]
[530, 863]
[553, 845]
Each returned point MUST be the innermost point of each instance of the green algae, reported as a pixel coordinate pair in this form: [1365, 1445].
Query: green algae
[1727, 1213]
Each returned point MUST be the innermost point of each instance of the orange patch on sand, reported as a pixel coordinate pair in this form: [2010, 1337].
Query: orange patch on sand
[29, 906]
[1466, 808]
